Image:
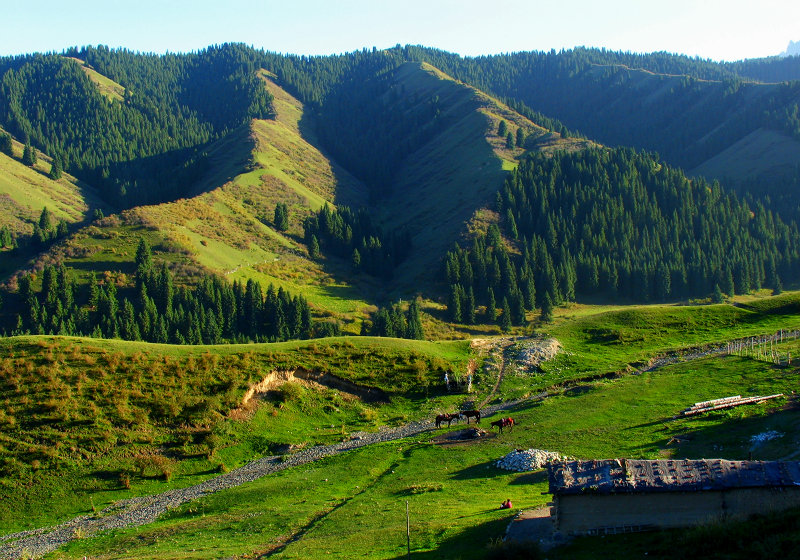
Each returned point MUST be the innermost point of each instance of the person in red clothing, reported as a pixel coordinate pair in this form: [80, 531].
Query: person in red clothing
[506, 505]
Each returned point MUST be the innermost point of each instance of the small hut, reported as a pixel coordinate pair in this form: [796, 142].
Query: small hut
[626, 495]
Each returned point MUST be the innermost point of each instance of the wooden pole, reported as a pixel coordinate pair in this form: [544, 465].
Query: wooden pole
[408, 531]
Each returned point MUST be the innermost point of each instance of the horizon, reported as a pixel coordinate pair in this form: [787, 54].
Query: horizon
[715, 30]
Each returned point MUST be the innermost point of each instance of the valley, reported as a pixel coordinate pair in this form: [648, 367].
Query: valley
[230, 321]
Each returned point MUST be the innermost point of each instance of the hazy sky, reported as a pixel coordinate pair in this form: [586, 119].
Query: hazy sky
[716, 29]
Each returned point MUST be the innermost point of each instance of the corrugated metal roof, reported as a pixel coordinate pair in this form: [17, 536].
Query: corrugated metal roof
[632, 475]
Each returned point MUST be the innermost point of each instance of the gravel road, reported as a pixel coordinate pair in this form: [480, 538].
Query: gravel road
[142, 510]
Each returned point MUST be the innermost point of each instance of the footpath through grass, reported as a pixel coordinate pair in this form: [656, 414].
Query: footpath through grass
[86, 421]
[353, 505]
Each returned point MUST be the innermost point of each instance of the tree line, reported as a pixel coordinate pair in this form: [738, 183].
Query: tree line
[154, 309]
[354, 235]
[616, 223]
[144, 148]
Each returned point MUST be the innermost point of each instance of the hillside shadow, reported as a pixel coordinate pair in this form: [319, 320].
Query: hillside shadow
[175, 174]
[479, 535]
[486, 469]
[350, 190]
[730, 438]
[535, 477]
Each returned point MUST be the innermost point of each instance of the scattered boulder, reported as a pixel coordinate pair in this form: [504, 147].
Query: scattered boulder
[522, 460]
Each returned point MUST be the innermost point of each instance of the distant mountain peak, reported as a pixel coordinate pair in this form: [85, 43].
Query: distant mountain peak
[792, 50]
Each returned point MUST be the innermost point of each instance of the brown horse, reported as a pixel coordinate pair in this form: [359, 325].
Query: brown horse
[503, 423]
[440, 418]
[472, 414]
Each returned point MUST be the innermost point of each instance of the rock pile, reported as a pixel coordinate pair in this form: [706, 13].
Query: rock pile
[521, 460]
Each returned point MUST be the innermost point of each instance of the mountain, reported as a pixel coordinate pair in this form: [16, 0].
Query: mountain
[793, 49]
[384, 161]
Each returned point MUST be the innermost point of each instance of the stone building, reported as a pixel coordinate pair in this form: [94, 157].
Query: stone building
[625, 495]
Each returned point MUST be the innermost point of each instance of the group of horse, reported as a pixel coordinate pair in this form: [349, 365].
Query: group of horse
[455, 416]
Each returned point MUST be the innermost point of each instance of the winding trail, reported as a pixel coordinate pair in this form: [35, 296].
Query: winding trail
[146, 509]
[142, 510]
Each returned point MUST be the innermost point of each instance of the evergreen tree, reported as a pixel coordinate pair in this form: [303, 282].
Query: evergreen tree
[144, 257]
[509, 140]
[29, 156]
[281, 219]
[520, 138]
[491, 306]
[717, 296]
[413, 322]
[45, 220]
[313, 248]
[6, 146]
[55, 170]
[502, 129]
[547, 309]
[505, 318]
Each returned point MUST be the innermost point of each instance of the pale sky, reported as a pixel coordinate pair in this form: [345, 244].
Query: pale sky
[716, 29]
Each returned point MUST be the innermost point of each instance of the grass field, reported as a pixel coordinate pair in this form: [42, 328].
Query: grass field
[158, 419]
[25, 191]
[354, 505]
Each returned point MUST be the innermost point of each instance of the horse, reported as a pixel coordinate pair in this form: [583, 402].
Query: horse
[447, 418]
[503, 423]
[472, 414]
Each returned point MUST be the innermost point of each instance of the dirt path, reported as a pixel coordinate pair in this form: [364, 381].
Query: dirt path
[142, 510]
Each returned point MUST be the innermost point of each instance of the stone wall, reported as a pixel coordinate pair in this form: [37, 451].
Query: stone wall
[589, 513]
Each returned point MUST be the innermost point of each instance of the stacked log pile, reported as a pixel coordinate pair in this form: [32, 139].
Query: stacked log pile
[719, 404]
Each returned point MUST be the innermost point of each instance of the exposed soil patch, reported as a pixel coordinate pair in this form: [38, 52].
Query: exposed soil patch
[314, 380]
[461, 436]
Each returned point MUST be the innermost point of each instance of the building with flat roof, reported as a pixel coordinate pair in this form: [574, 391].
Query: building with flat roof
[626, 495]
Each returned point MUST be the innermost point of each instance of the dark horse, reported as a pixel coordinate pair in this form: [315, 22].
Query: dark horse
[447, 418]
[503, 423]
[472, 414]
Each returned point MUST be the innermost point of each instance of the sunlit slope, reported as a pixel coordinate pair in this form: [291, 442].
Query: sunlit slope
[108, 87]
[442, 185]
[25, 191]
[226, 225]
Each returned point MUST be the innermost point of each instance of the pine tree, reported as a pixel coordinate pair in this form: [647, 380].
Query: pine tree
[509, 140]
[6, 146]
[45, 221]
[547, 309]
[413, 322]
[313, 249]
[520, 137]
[281, 219]
[491, 307]
[505, 318]
[56, 170]
[144, 258]
[502, 129]
[29, 156]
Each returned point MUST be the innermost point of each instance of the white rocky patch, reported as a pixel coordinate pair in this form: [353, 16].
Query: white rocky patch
[522, 460]
[764, 437]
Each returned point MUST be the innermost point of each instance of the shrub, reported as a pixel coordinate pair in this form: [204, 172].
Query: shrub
[290, 392]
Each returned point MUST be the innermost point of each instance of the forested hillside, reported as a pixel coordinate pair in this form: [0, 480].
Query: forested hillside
[617, 224]
[145, 148]
[431, 135]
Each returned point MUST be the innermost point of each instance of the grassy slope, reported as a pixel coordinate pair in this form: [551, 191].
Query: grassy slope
[762, 153]
[457, 172]
[353, 505]
[81, 416]
[108, 87]
[25, 191]
[225, 225]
